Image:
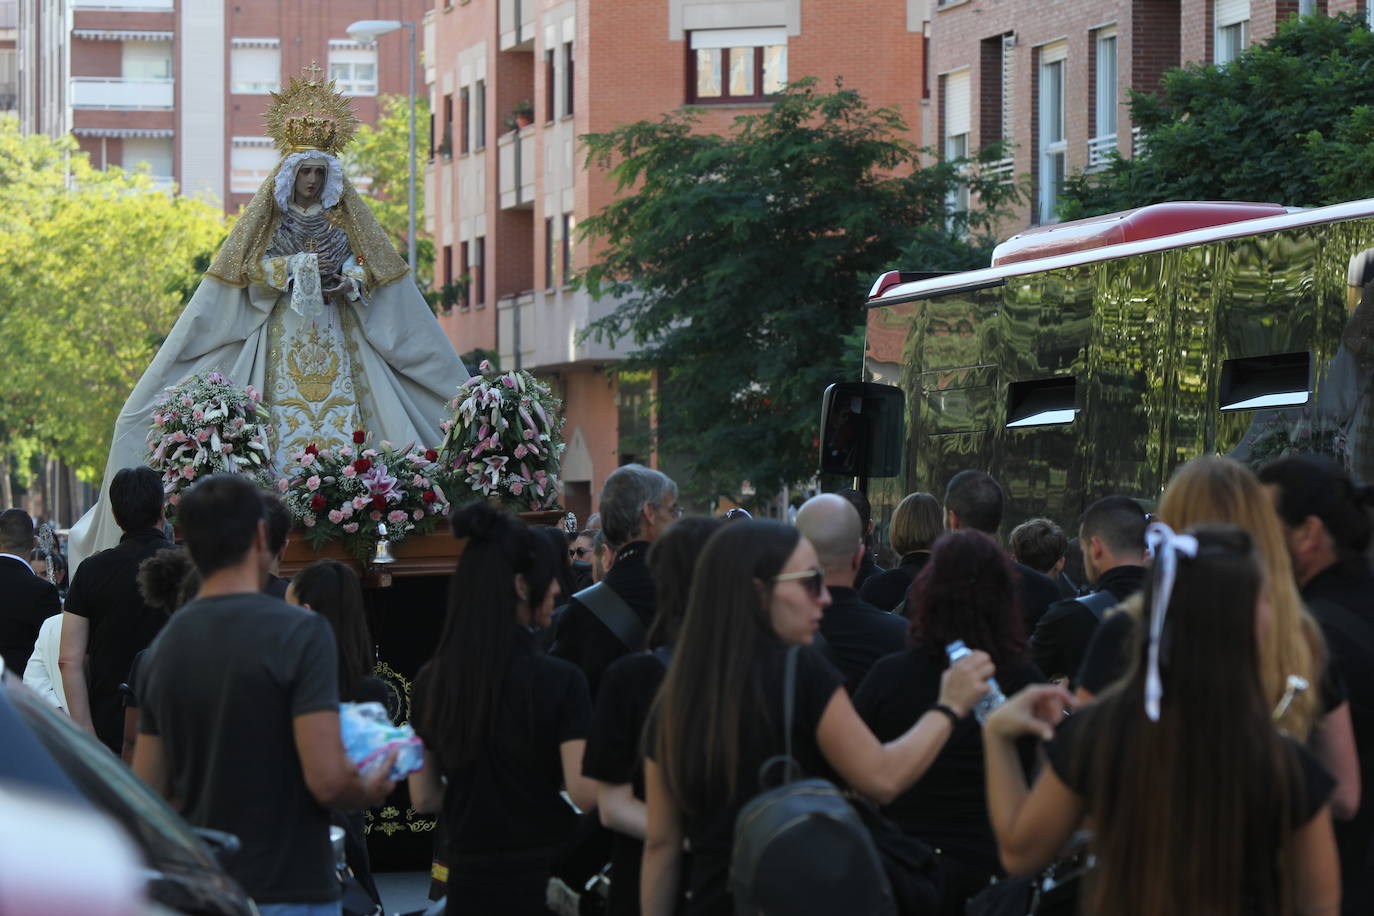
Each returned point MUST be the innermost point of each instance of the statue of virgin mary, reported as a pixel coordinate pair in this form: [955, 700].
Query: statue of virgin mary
[308, 302]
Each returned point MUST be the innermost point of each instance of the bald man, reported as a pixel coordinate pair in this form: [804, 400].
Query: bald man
[856, 633]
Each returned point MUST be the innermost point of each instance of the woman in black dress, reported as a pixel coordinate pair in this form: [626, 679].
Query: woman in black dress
[504, 725]
[966, 592]
[1198, 803]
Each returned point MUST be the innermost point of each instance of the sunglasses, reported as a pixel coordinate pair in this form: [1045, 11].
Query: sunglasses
[577, 553]
[813, 580]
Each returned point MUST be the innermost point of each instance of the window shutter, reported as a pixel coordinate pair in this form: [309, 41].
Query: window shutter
[958, 100]
[1229, 12]
[738, 38]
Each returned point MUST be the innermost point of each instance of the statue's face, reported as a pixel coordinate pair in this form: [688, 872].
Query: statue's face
[310, 176]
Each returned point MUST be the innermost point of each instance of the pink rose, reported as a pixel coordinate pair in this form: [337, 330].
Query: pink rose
[312, 482]
[396, 516]
[351, 528]
[418, 514]
[283, 484]
[345, 451]
[346, 510]
[360, 502]
[335, 516]
[349, 471]
[307, 460]
[308, 521]
[516, 488]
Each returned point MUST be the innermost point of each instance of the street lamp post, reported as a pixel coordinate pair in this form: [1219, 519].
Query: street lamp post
[370, 30]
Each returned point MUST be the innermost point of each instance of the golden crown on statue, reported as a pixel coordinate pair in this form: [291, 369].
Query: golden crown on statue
[310, 114]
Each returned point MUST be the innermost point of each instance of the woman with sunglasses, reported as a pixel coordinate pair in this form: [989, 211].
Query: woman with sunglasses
[755, 592]
[1198, 802]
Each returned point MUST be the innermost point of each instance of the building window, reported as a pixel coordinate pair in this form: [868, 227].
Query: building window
[154, 152]
[569, 224]
[251, 160]
[956, 116]
[1232, 18]
[736, 65]
[568, 82]
[478, 271]
[465, 266]
[1051, 134]
[464, 119]
[1103, 142]
[1307, 7]
[550, 254]
[550, 85]
[146, 60]
[254, 71]
[479, 115]
[354, 69]
[446, 140]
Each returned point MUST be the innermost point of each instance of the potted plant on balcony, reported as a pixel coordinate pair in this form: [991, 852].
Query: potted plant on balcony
[522, 115]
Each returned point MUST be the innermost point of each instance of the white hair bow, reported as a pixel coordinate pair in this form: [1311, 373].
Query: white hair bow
[1165, 546]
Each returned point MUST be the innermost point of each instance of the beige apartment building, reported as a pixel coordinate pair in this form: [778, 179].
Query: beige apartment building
[515, 83]
[179, 86]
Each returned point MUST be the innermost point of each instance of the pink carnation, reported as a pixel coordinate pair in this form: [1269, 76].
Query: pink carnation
[307, 460]
[360, 502]
[418, 514]
[188, 472]
[308, 521]
[335, 516]
[174, 498]
[375, 515]
[396, 516]
[349, 471]
[516, 487]
[283, 484]
[312, 482]
[203, 435]
[351, 528]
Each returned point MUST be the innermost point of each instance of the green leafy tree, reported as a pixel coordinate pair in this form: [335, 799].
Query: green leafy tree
[739, 264]
[95, 268]
[378, 153]
[1289, 121]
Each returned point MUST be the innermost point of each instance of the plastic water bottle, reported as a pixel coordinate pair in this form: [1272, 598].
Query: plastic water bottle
[990, 700]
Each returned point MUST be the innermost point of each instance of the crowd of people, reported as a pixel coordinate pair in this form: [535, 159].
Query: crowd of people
[1188, 723]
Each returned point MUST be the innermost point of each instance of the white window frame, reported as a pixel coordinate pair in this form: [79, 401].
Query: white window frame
[256, 157]
[728, 40]
[351, 55]
[1231, 20]
[957, 99]
[239, 83]
[1053, 152]
[1105, 63]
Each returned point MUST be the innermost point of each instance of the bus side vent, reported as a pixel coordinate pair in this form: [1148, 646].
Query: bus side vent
[1042, 402]
[1279, 380]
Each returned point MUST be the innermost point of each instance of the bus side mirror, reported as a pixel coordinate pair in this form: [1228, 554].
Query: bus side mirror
[862, 430]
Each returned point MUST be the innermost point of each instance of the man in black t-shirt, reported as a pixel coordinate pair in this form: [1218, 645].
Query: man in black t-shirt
[637, 505]
[105, 616]
[239, 723]
[856, 633]
[974, 500]
[1113, 538]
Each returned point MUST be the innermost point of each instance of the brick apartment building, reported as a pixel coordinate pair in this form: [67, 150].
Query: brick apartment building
[1053, 77]
[503, 204]
[181, 85]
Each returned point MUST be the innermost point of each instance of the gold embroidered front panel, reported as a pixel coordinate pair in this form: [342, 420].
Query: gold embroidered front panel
[311, 390]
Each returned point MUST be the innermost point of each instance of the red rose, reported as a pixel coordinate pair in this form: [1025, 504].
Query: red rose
[359, 437]
[316, 502]
[379, 503]
[312, 449]
[431, 455]
[362, 465]
[428, 496]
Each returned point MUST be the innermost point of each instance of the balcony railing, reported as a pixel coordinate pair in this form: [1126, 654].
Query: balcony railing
[515, 168]
[1100, 151]
[1002, 170]
[119, 93]
[156, 5]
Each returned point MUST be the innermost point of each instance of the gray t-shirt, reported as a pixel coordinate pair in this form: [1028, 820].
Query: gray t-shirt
[220, 686]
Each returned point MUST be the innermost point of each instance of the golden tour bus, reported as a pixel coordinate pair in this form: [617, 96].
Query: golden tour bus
[1093, 357]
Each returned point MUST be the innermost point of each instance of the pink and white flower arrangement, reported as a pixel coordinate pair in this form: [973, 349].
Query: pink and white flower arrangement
[504, 440]
[343, 493]
[208, 425]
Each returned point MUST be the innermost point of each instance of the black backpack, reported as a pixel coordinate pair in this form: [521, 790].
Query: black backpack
[801, 848]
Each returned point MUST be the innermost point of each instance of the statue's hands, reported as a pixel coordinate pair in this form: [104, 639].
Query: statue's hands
[340, 288]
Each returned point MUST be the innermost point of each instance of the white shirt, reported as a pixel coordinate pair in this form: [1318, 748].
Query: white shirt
[42, 675]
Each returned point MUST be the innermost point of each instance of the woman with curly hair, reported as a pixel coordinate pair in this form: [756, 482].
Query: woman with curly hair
[967, 591]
